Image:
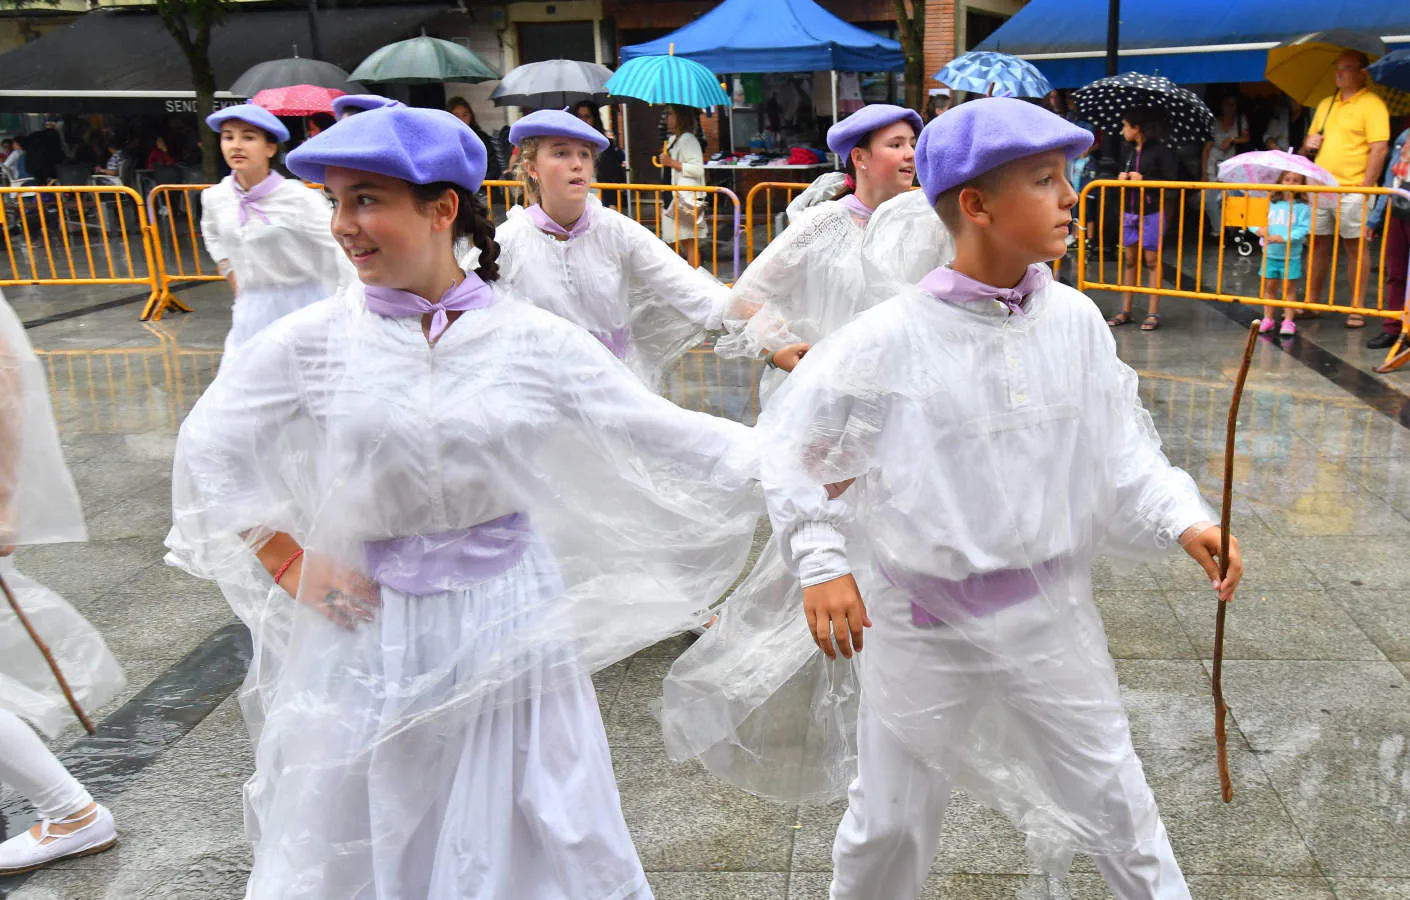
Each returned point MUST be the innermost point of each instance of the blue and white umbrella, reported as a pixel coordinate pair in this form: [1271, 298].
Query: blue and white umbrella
[668, 79]
[993, 74]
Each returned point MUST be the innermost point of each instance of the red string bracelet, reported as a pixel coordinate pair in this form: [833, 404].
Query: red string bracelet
[287, 563]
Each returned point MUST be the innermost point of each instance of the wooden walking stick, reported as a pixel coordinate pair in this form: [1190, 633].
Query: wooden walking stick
[1221, 710]
[48, 657]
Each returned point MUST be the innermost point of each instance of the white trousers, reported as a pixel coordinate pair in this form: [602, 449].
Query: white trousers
[27, 766]
[891, 831]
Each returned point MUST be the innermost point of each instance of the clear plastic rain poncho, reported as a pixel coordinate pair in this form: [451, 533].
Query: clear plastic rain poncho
[515, 510]
[279, 246]
[809, 280]
[39, 505]
[619, 281]
[793, 688]
[994, 457]
[905, 239]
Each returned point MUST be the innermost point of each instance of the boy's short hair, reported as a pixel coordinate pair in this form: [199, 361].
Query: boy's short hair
[947, 205]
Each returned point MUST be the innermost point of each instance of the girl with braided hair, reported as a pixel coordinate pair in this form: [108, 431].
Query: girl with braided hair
[439, 511]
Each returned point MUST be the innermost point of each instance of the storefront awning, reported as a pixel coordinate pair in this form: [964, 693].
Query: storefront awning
[1196, 42]
[741, 36]
[125, 62]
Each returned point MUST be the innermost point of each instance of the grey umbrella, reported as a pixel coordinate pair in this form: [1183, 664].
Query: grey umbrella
[278, 73]
[552, 84]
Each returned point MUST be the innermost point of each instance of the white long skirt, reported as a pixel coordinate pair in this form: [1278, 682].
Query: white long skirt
[254, 310]
[361, 792]
[27, 685]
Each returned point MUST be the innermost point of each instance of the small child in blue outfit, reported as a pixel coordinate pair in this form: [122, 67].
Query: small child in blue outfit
[1289, 223]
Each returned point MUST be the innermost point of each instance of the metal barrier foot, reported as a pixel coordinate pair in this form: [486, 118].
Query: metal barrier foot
[1398, 356]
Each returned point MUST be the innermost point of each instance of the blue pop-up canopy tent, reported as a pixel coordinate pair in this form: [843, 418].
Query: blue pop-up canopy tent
[776, 36]
[1194, 42]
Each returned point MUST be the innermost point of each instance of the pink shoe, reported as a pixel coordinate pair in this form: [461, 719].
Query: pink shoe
[1288, 330]
[1265, 326]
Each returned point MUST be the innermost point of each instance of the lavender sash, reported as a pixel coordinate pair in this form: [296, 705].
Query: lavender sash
[452, 560]
[936, 601]
[617, 340]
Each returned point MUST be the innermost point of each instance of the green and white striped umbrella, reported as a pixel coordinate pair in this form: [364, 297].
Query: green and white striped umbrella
[668, 79]
[424, 60]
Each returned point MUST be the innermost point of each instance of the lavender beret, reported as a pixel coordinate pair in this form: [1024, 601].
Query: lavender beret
[848, 133]
[360, 103]
[981, 135]
[421, 146]
[257, 116]
[555, 123]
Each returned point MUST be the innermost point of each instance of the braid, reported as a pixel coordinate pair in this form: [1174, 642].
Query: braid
[472, 222]
[481, 234]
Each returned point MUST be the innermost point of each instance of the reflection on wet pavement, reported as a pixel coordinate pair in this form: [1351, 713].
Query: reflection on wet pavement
[1318, 647]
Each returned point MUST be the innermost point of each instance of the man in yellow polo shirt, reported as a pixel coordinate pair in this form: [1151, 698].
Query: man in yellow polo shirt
[1350, 134]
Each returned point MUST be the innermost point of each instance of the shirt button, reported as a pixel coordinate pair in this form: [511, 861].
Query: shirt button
[1020, 398]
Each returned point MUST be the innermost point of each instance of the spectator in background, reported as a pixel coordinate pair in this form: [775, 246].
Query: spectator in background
[317, 123]
[44, 150]
[1230, 139]
[116, 158]
[941, 99]
[1351, 137]
[1288, 126]
[160, 154]
[1393, 214]
[494, 158]
[14, 161]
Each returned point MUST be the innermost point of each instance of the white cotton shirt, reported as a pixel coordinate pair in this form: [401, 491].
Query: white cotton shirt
[294, 248]
[602, 279]
[980, 441]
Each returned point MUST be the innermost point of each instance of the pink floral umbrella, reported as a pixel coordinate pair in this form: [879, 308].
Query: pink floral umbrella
[1265, 166]
[297, 100]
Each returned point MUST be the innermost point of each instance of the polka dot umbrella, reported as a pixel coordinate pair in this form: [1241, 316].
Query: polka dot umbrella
[1104, 103]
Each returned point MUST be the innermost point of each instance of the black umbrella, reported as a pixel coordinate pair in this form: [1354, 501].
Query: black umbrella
[552, 84]
[1104, 103]
[280, 73]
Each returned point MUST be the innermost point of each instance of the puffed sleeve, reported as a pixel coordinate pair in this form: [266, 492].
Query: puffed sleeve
[658, 269]
[325, 251]
[763, 300]
[618, 411]
[1152, 501]
[232, 481]
[815, 433]
[210, 226]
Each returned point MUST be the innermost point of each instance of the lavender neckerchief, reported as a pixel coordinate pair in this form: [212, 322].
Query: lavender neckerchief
[544, 222]
[945, 283]
[249, 200]
[471, 293]
[856, 206]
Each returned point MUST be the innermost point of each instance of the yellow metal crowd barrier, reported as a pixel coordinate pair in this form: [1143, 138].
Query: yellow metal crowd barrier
[173, 210]
[770, 191]
[1221, 266]
[78, 235]
[693, 229]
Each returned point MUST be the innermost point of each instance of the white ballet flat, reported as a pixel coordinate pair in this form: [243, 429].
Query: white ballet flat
[25, 853]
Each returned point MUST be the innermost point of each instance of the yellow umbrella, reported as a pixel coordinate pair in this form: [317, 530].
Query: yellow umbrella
[1305, 67]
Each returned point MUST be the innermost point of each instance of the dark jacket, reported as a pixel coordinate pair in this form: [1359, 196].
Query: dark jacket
[1156, 162]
